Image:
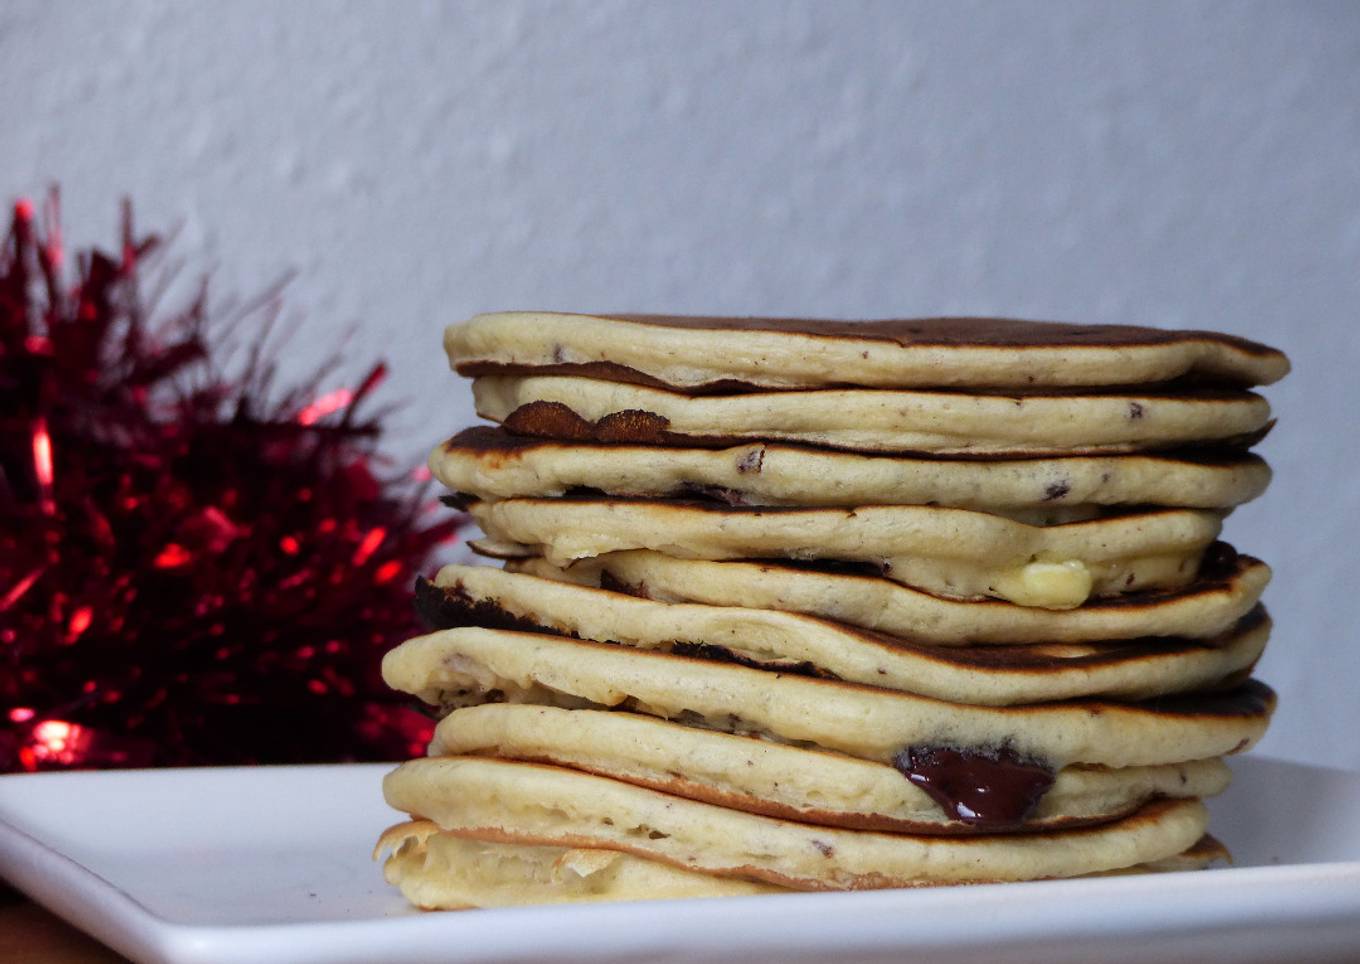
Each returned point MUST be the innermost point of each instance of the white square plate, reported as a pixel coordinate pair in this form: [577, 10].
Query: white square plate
[271, 864]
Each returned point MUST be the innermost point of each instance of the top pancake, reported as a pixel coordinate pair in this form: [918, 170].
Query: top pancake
[725, 354]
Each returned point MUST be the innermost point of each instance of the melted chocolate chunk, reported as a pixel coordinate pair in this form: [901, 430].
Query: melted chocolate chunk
[1220, 558]
[722, 654]
[1056, 490]
[584, 492]
[612, 583]
[714, 493]
[489, 439]
[450, 607]
[993, 789]
[553, 420]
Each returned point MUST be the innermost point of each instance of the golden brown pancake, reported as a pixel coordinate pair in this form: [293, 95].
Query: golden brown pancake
[452, 668]
[714, 353]
[789, 642]
[791, 782]
[1228, 587]
[439, 870]
[521, 803]
[488, 462]
[950, 552]
[1015, 425]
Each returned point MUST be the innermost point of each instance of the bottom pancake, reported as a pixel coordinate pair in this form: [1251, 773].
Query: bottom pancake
[436, 870]
[537, 805]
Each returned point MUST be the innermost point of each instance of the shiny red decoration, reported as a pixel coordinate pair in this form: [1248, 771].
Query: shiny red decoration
[194, 567]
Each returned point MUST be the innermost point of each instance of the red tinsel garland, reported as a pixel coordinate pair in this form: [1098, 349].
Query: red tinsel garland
[189, 573]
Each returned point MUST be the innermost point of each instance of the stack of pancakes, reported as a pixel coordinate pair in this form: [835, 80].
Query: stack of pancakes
[821, 605]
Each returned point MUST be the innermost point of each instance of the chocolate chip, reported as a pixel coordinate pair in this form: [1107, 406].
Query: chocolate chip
[993, 788]
[632, 425]
[1056, 490]
[713, 493]
[458, 501]
[721, 654]
[557, 421]
[1135, 411]
[447, 607]
[548, 420]
[614, 584]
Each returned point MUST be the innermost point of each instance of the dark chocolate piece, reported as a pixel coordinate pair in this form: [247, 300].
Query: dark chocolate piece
[611, 583]
[721, 654]
[713, 493]
[992, 788]
[449, 607]
[557, 421]
[1056, 490]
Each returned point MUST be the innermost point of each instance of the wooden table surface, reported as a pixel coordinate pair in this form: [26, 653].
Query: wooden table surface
[32, 935]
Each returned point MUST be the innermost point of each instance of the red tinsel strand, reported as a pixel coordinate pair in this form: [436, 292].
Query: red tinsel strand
[189, 573]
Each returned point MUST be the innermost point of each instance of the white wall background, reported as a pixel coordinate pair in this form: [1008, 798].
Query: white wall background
[1178, 163]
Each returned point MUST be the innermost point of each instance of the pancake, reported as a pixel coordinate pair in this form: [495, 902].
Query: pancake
[863, 420]
[722, 353]
[452, 668]
[1228, 588]
[953, 552]
[441, 871]
[797, 604]
[523, 803]
[1130, 670]
[778, 780]
[1206, 852]
[436, 870]
[491, 463]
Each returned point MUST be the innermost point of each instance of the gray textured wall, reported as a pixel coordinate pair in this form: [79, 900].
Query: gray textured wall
[1170, 163]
